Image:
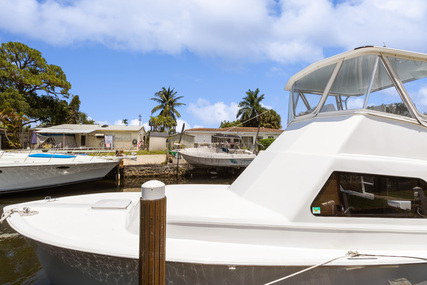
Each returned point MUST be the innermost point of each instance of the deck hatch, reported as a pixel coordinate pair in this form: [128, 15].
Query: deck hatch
[119, 204]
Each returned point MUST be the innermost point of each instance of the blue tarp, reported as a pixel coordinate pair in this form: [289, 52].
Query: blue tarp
[48, 155]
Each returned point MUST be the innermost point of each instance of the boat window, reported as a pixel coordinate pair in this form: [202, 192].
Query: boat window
[307, 91]
[413, 75]
[361, 83]
[384, 96]
[351, 84]
[367, 195]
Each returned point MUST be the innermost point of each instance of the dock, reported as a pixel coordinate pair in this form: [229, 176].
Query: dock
[154, 166]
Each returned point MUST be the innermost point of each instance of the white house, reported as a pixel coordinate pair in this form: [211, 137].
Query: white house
[246, 134]
[92, 136]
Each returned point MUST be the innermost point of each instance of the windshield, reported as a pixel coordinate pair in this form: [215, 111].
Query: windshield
[413, 75]
[308, 90]
[362, 83]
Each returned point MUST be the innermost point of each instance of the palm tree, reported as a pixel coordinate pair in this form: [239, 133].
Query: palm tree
[11, 121]
[167, 103]
[167, 106]
[250, 109]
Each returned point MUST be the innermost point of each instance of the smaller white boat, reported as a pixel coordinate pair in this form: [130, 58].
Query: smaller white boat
[217, 157]
[221, 154]
[21, 171]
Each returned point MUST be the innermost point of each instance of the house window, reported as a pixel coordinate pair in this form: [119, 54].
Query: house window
[367, 195]
[247, 141]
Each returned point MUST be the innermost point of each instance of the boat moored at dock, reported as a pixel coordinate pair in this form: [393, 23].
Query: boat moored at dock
[24, 170]
[338, 198]
[217, 157]
[227, 152]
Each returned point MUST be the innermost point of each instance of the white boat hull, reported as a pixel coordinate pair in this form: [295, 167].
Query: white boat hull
[70, 267]
[226, 247]
[205, 157]
[18, 173]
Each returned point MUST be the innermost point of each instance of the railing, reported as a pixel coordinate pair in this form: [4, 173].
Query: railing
[94, 153]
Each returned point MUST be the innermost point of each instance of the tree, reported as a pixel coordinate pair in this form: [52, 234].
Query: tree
[48, 110]
[271, 119]
[32, 87]
[250, 108]
[25, 70]
[11, 122]
[252, 114]
[84, 119]
[74, 110]
[162, 124]
[265, 143]
[227, 124]
[167, 100]
[125, 121]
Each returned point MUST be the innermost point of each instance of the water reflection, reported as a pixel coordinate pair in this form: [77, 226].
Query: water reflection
[19, 263]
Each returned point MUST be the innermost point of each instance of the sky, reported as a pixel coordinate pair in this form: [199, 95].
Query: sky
[118, 53]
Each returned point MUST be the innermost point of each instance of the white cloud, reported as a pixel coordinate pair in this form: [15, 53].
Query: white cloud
[266, 106]
[179, 124]
[119, 123]
[283, 31]
[146, 127]
[213, 114]
[134, 122]
[99, 122]
[420, 99]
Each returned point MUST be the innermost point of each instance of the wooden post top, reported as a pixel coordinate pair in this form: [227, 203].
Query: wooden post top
[153, 190]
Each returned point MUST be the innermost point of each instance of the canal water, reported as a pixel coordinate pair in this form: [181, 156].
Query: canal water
[18, 262]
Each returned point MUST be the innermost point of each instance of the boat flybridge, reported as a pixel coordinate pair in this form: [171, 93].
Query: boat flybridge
[338, 198]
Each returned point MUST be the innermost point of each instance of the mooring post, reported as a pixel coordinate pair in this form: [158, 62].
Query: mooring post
[152, 234]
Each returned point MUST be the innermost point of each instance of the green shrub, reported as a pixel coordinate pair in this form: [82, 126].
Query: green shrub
[265, 143]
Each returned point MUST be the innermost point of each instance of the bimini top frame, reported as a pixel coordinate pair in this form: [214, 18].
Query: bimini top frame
[375, 80]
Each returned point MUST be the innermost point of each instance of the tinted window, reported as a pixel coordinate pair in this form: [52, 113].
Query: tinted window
[363, 195]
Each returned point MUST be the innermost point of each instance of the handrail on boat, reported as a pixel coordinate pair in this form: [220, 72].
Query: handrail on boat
[28, 155]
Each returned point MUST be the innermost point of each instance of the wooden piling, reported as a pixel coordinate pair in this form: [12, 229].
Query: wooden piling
[152, 234]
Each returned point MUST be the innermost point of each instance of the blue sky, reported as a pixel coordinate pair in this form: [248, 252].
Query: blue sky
[117, 54]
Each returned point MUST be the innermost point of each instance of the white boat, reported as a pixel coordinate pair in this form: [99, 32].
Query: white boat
[25, 170]
[227, 152]
[338, 198]
[217, 157]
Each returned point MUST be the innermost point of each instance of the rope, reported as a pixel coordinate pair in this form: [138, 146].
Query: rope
[24, 212]
[248, 120]
[349, 254]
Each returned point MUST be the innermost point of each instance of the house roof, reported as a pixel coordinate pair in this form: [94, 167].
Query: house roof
[85, 129]
[183, 134]
[236, 130]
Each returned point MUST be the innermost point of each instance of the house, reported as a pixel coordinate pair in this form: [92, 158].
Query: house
[92, 136]
[204, 136]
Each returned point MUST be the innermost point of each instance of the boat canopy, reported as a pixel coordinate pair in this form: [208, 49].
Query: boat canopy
[226, 136]
[377, 80]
